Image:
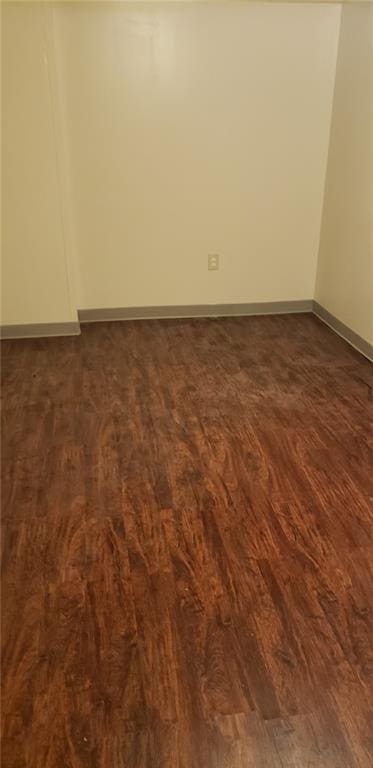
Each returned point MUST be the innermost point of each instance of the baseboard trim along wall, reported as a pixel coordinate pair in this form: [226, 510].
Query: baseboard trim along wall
[356, 341]
[194, 310]
[39, 330]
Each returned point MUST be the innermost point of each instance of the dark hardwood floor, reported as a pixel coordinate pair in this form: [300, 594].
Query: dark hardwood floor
[187, 547]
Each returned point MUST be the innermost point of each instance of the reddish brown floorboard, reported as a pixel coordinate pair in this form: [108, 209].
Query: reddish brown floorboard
[187, 542]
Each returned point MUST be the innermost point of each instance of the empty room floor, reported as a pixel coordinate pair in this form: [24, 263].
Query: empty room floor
[187, 540]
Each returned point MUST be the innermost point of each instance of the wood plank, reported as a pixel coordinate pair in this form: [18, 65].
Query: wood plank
[187, 547]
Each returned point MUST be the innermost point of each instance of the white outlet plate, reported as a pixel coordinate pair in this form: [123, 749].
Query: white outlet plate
[213, 261]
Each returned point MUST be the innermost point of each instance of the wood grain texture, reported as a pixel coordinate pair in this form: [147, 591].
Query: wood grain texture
[187, 547]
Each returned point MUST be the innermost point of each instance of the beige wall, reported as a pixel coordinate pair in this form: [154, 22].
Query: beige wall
[34, 273]
[170, 132]
[196, 129]
[345, 272]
